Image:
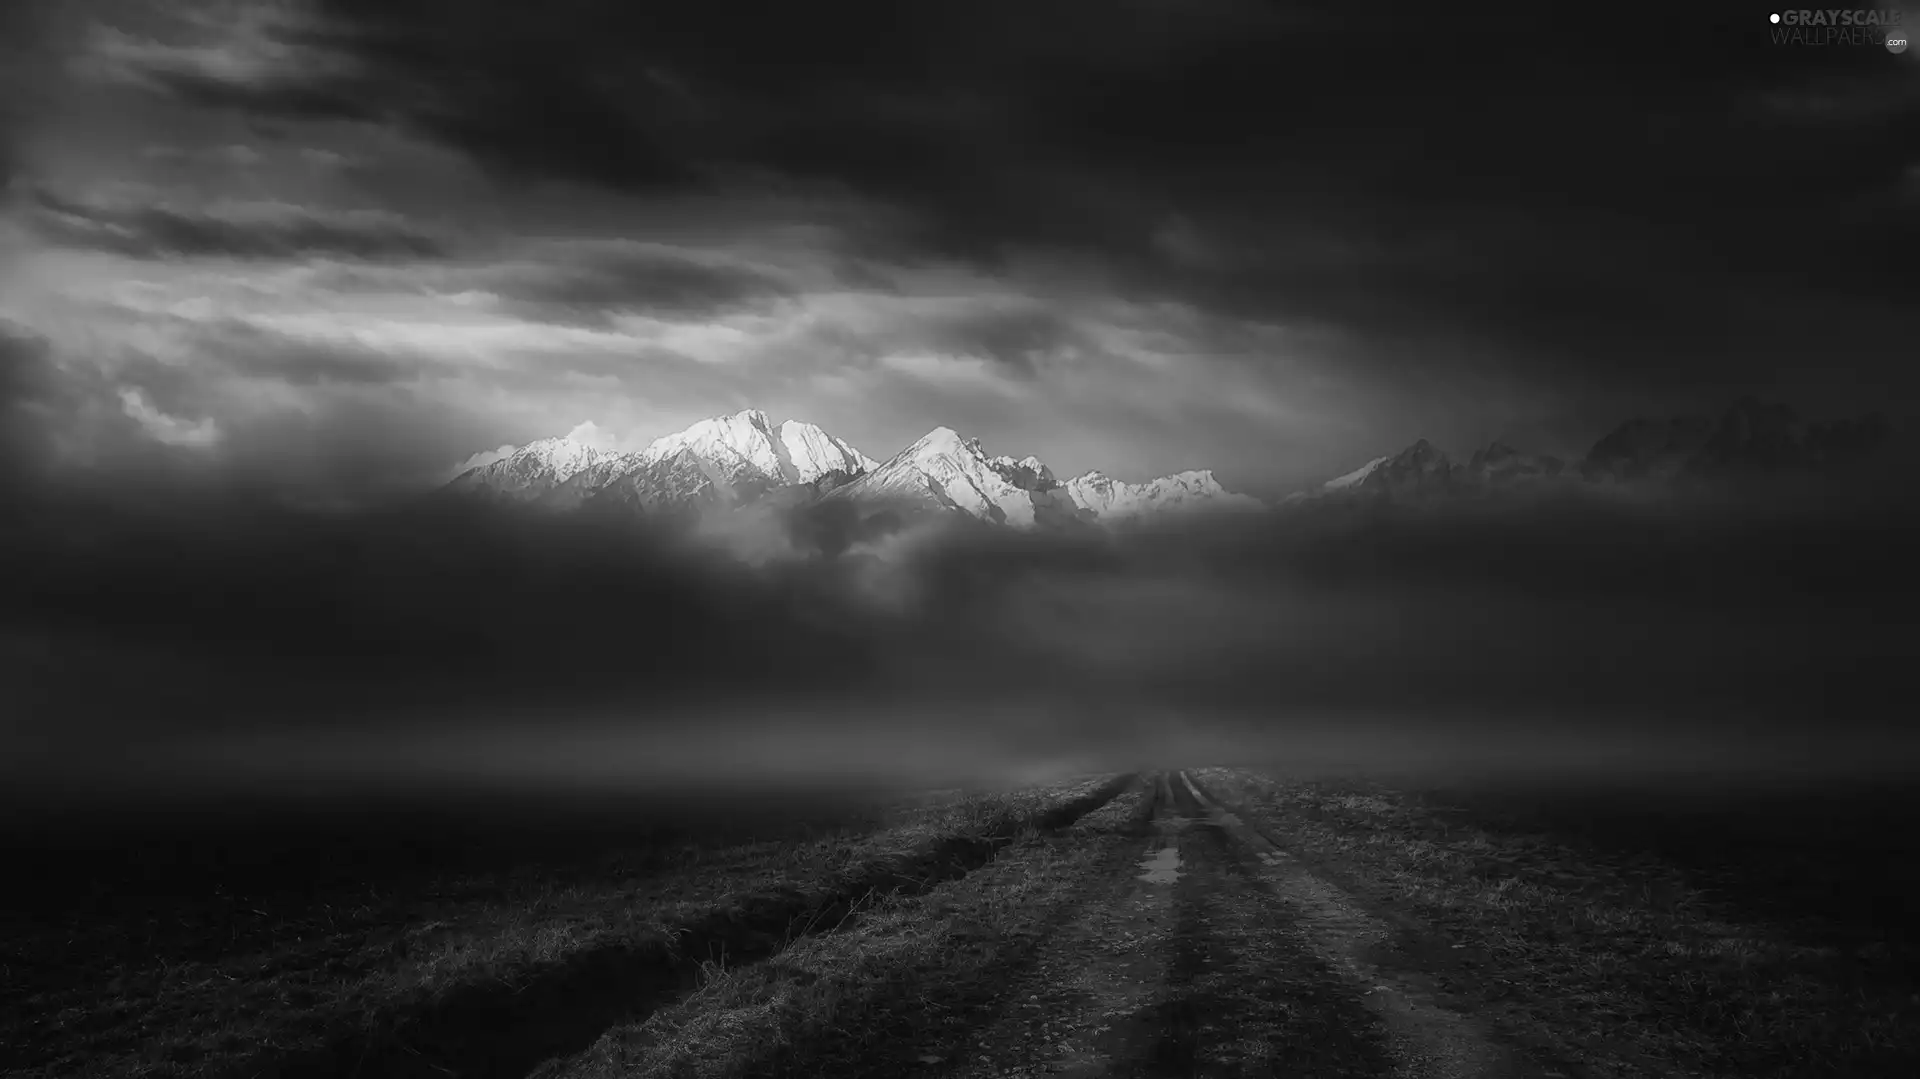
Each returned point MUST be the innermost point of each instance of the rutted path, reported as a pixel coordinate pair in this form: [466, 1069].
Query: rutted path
[1424, 1037]
[1209, 952]
[501, 1029]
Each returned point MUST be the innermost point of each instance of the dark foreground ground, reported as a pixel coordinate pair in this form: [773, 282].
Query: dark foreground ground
[1207, 922]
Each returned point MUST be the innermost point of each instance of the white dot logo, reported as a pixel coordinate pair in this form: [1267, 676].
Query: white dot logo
[1774, 18]
[1896, 41]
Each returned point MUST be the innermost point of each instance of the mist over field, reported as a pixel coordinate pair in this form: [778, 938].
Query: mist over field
[170, 641]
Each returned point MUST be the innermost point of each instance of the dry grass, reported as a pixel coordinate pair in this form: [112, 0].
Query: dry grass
[1593, 940]
[742, 1019]
[331, 970]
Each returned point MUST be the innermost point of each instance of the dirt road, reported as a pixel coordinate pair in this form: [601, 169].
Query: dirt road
[1211, 922]
[1207, 951]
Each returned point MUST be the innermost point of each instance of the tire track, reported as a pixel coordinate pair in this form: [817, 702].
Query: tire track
[935, 1017]
[1092, 996]
[1179, 942]
[1424, 1038]
[1178, 967]
[1263, 1003]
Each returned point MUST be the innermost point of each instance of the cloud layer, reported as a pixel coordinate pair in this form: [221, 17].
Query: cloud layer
[1272, 240]
[420, 647]
[246, 231]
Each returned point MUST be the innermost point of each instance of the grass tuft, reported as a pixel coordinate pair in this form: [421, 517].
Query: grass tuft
[1596, 940]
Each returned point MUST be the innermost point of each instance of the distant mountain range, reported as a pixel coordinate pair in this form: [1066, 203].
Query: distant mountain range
[745, 459]
[721, 461]
[1751, 440]
[742, 459]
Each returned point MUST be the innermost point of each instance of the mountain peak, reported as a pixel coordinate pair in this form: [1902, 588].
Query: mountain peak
[752, 417]
[1029, 473]
[1356, 477]
[747, 445]
[944, 437]
[948, 470]
[1421, 468]
[531, 470]
[1108, 499]
[1752, 438]
[812, 453]
[743, 453]
[1500, 463]
[556, 446]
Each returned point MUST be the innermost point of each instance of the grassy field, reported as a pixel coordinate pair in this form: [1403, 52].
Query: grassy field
[1708, 933]
[1618, 933]
[477, 947]
[883, 993]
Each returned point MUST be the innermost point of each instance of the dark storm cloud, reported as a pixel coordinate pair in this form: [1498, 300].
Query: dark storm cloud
[291, 97]
[1021, 340]
[257, 231]
[23, 82]
[26, 381]
[1623, 200]
[258, 68]
[247, 350]
[587, 284]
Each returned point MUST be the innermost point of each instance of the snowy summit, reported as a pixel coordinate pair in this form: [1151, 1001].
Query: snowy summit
[737, 459]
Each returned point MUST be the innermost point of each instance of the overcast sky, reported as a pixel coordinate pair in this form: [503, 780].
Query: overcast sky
[345, 244]
[332, 248]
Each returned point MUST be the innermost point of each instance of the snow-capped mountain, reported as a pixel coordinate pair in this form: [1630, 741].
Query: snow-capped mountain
[720, 461]
[748, 444]
[1027, 473]
[743, 458]
[680, 481]
[586, 482]
[1108, 499]
[1356, 477]
[948, 471]
[532, 471]
[1420, 469]
[945, 470]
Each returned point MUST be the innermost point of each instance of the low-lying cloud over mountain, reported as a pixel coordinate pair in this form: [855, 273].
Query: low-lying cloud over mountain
[176, 635]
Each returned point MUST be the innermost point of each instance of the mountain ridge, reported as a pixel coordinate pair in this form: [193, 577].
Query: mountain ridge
[1749, 442]
[743, 458]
